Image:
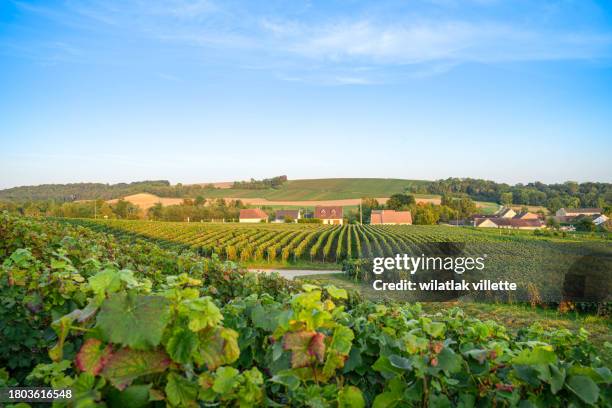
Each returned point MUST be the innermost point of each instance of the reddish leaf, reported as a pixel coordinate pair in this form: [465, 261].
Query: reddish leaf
[304, 345]
[92, 358]
[126, 364]
[317, 347]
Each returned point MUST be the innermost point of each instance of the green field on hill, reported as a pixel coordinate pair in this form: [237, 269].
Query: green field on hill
[324, 189]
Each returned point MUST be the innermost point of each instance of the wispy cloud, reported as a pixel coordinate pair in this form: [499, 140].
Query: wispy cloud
[432, 41]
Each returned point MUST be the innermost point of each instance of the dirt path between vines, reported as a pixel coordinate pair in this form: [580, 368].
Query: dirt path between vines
[293, 273]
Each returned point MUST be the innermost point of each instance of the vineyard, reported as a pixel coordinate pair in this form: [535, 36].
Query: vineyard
[123, 322]
[538, 265]
[291, 242]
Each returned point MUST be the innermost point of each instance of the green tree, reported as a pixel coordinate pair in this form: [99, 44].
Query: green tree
[425, 215]
[552, 222]
[400, 201]
[506, 198]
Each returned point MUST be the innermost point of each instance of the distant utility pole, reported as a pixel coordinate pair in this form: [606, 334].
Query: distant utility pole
[95, 210]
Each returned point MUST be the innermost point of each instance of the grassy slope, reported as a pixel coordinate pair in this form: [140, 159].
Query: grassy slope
[324, 189]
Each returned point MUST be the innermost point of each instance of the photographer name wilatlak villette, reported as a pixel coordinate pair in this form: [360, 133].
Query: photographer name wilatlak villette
[458, 265]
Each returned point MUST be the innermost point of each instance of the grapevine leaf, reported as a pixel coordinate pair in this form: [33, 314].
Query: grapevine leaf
[62, 328]
[218, 346]
[134, 320]
[304, 345]
[104, 282]
[201, 312]
[557, 378]
[400, 362]
[181, 345]
[350, 397]
[92, 357]
[180, 391]
[449, 361]
[584, 387]
[251, 393]
[317, 347]
[134, 396]
[286, 378]
[387, 400]
[225, 380]
[336, 293]
[126, 364]
[342, 340]
[435, 329]
[537, 355]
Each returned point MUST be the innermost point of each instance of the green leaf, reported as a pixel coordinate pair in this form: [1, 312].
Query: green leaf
[201, 312]
[342, 340]
[435, 329]
[225, 380]
[336, 293]
[91, 358]
[135, 396]
[180, 391]
[218, 346]
[449, 361]
[584, 387]
[385, 368]
[126, 364]
[387, 400]
[309, 288]
[104, 282]
[537, 355]
[400, 362]
[62, 328]
[181, 345]
[134, 320]
[439, 401]
[350, 397]
[286, 378]
[557, 378]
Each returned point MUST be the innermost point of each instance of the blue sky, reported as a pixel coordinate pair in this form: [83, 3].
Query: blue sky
[210, 90]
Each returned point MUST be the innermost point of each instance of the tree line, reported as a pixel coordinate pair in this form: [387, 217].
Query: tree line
[92, 191]
[552, 196]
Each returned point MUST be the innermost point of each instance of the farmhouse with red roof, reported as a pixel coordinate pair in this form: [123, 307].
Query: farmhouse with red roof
[329, 214]
[253, 215]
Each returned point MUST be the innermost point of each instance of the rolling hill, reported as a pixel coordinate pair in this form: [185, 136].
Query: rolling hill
[323, 189]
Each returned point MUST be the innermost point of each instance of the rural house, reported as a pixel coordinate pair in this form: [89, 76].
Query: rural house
[599, 219]
[575, 212]
[329, 214]
[514, 223]
[282, 215]
[253, 215]
[526, 215]
[391, 217]
[506, 213]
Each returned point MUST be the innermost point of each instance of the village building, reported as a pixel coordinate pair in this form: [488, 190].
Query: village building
[329, 214]
[599, 219]
[575, 212]
[284, 215]
[390, 217]
[526, 215]
[511, 223]
[253, 215]
[506, 213]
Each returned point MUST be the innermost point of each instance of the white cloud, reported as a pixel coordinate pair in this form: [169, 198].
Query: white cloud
[430, 41]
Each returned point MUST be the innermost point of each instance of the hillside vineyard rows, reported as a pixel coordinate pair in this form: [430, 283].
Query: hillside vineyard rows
[289, 242]
[537, 265]
[125, 323]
